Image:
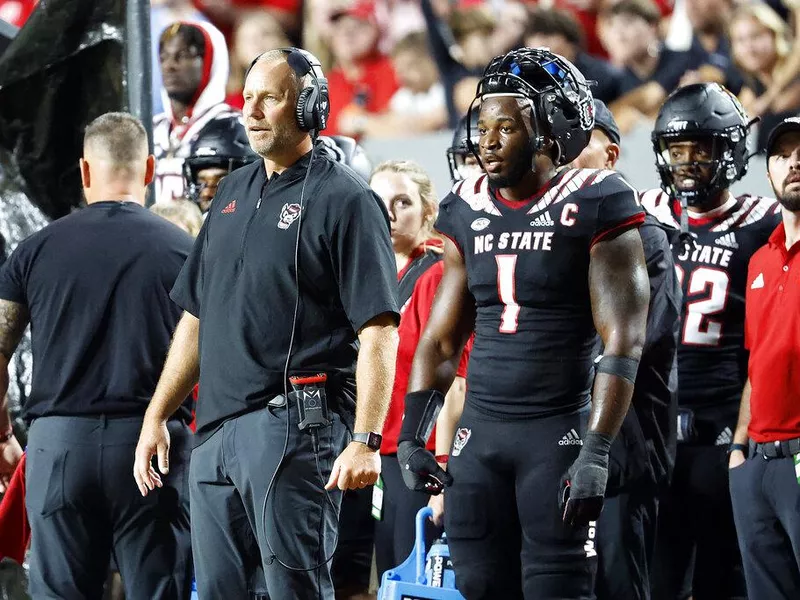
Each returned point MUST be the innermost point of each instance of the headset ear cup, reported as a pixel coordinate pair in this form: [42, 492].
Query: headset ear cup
[300, 109]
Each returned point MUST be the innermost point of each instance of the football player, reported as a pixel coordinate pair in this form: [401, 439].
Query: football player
[700, 144]
[538, 260]
[222, 147]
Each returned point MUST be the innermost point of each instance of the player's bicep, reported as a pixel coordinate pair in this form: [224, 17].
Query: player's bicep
[620, 292]
[452, 316]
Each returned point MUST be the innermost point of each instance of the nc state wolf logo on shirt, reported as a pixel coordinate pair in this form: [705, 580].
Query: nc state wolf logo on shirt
[289, 214]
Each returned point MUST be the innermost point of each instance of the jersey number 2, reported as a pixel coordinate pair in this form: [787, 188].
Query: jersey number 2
[506, 291]
[699, 329]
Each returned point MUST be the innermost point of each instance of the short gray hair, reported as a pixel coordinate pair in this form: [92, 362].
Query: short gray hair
[120, 135]
[279, 55]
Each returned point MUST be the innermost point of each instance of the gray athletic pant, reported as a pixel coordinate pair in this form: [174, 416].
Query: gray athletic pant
[83, 504]
[231, 529]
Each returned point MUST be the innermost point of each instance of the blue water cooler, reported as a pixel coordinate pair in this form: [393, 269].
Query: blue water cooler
[418, 578]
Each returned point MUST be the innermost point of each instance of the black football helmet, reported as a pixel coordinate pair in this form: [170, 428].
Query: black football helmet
[347, 151]
[458, 150]
[702, 110]
[222, 144]
[560, 97]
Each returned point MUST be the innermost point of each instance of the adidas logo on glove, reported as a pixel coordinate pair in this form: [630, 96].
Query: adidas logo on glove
[571, 439]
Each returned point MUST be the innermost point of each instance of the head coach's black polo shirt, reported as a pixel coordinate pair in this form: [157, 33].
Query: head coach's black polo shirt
[97, 285]
[240, 282]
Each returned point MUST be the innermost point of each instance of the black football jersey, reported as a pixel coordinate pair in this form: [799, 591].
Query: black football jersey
[527, 268]
[712, 267]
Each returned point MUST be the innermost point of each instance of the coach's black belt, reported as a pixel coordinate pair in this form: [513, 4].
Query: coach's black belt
[776, 449]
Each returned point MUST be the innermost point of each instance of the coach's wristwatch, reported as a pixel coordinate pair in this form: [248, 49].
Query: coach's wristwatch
[372, 440]
[743, 447]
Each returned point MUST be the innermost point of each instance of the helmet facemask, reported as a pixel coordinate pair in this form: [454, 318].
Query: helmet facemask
[722, 165]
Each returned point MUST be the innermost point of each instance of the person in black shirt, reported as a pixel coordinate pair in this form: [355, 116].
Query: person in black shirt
[643, 454]
[650, 70]
[700, 147]
[538, 260]
[94, 286]
[709, 20]
[292, 272]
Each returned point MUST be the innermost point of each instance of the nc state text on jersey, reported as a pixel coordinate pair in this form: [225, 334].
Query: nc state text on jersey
[710, 255]
[514, 240]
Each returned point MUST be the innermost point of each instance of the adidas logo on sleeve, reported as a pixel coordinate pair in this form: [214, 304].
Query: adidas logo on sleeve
[571, 439]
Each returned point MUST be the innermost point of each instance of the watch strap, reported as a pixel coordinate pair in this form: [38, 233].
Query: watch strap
[743, 447]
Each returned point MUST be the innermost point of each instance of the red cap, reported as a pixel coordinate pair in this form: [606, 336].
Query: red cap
[360, 9]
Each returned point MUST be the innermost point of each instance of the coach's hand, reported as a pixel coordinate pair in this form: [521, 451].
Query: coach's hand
[736, 459]
[153, 440]
[420, 470]
[584, 484]
[356, 468]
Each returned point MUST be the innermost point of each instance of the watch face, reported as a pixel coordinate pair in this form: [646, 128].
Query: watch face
[374, 440]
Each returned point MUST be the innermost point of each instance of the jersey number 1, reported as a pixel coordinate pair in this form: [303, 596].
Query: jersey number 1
[506, 291]
[699, 329]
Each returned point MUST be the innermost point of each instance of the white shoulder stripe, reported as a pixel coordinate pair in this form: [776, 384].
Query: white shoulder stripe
[658, 204]
[751, 210]
[480, 200]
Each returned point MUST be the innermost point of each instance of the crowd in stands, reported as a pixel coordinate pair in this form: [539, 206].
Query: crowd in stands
[405, 67]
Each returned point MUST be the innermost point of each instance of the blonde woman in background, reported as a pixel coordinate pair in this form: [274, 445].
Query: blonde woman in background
[182, 213]
[408, 194]
[762, 48]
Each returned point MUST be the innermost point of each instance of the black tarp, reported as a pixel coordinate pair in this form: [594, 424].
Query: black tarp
[64, 68]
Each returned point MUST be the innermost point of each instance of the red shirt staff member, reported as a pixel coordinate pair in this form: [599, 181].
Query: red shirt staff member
[766, 488]
[411, 201]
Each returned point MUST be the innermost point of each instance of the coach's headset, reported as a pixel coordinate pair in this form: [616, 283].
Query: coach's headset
[313, 106]
[311, 113]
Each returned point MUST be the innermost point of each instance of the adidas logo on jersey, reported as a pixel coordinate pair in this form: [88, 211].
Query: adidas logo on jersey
[724, 438]
[728, 240]
[758, 282]
[571, 439]
[543, 220]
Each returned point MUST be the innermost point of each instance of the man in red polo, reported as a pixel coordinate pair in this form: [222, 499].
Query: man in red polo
[765, 488]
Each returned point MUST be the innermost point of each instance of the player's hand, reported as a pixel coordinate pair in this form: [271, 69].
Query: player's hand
[436, 504]
[584, 484]
[420, 470]
[736, 459]
[153, 441]
[355, 468]
[10, 455]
